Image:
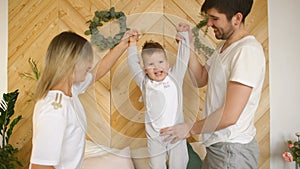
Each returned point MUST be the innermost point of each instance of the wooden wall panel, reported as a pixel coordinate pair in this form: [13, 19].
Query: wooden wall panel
[31, 27]
[115, 114]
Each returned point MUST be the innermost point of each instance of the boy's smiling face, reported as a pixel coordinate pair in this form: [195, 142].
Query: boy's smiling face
[156, 66]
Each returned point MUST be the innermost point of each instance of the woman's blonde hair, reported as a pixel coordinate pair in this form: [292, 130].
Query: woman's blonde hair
[64, 51]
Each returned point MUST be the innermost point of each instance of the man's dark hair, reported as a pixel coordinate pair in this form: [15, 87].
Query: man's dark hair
[229, 7]
[151, 47]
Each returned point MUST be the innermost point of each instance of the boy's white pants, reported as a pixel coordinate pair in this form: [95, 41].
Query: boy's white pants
[160, 152]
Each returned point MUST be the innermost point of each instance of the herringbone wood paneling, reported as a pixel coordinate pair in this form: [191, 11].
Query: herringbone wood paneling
[115, 114]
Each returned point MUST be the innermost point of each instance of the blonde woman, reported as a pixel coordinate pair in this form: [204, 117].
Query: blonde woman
[59, 120]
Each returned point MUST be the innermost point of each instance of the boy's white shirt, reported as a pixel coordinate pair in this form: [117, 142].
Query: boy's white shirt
[161, 103]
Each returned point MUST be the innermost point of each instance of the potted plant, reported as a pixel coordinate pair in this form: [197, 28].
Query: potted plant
[293, 153]
[8, 159]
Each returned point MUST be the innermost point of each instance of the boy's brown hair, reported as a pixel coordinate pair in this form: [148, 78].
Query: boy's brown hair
[150, 47]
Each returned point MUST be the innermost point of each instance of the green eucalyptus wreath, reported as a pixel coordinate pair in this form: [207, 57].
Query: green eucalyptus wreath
[105, 16]
[200, 47]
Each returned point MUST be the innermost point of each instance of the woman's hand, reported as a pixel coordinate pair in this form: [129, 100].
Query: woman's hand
[177, 132]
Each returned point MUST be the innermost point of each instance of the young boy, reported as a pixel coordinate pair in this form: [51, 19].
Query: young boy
[161, 87]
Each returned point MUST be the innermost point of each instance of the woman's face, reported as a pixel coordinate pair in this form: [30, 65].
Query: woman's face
[81, 69]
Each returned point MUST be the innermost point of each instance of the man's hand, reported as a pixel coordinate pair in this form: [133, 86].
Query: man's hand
[177, 132]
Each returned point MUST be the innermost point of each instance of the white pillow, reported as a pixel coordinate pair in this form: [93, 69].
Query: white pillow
[97, 156]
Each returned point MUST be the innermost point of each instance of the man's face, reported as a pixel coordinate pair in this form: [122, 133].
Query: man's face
[223, 28]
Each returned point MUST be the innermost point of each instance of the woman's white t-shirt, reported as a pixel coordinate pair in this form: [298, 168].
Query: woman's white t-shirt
[59, 131]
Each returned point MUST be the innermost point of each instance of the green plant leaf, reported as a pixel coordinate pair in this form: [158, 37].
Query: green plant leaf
[96, 19]
[11, 127]
[100, 41]
[3, 108]
[34, 68]
[200, 48]
[8, 157]
[202, 23]
[11, 101]
[112, 12]
[27, 75]
[87, 32]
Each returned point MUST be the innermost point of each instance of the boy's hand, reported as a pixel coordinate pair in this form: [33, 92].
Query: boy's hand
[183, 27]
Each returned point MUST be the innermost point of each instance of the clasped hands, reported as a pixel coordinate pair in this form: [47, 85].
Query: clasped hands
[132, 35]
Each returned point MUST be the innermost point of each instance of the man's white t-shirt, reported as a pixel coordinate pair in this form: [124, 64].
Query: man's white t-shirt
[59, 132]
[242, 62]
